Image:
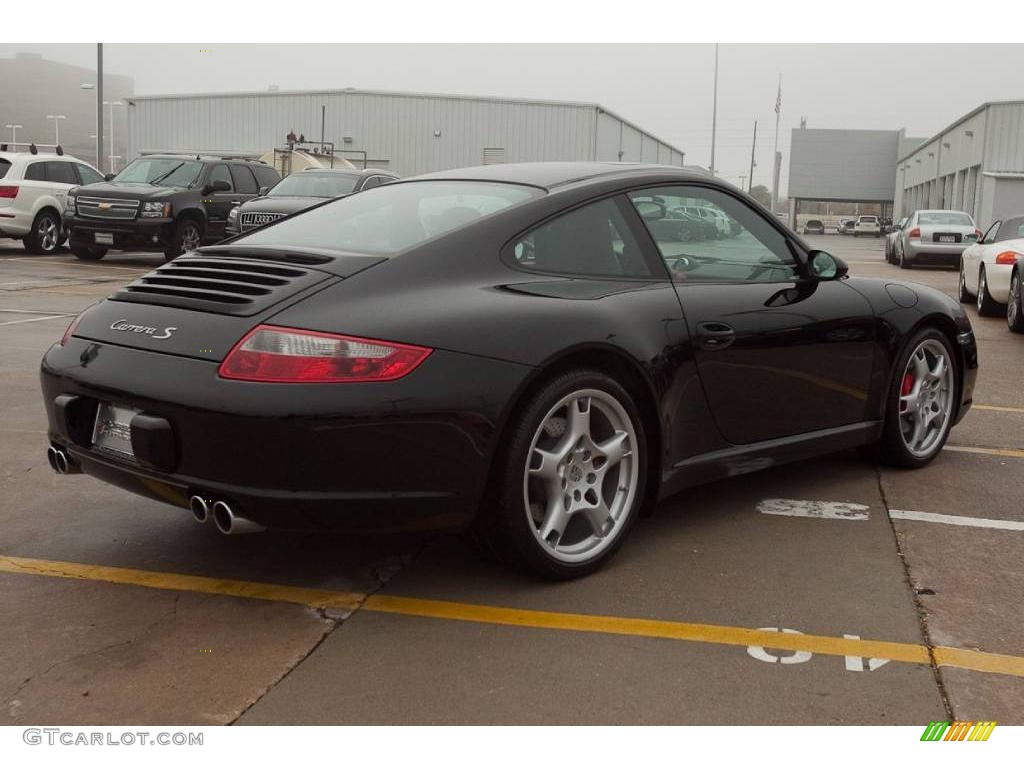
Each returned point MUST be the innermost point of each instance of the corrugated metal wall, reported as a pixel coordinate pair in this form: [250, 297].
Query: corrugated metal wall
[410, 133]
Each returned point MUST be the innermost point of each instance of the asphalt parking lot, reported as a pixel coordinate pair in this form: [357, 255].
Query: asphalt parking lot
[733, 604]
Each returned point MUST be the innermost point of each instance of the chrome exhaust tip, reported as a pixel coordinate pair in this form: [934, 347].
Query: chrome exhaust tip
[200, 509]
[230, 524]
[60, 461]
[51, 457]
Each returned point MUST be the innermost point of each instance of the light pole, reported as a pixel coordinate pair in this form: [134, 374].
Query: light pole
[91, 87]
[56, 126]
[714, 113]
[14, 134]
[112, 104]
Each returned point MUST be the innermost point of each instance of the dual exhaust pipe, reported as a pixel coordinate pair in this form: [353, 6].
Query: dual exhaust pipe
[60, 462]
[223, 515]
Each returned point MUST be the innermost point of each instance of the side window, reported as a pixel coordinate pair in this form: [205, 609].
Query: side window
[36, 172]
[245, 182]
[1011, 229]
[990, 236]
[61, 173]
[266, 176]
[87, 174]
[220, 173]
[747, 247]
[593, 241]
[370, 183]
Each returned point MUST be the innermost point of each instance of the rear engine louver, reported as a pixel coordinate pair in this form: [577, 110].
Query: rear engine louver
[221, 285]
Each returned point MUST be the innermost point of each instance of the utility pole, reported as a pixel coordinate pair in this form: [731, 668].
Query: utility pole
[14, 134]
[99, 105]
[743, 180]
[776, 170]
[56, 126]
[752, 147]
[714, 113]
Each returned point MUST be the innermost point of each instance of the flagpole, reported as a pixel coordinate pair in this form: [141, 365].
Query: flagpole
[714, 113]
[776, 170]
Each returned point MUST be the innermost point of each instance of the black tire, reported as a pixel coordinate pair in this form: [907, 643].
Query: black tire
[1015, 306]
[505, 529]
[891, 448]
[987, 306]
[88, 254]
[961, 290]
[46, 234]
[186, 230]
[904, 262]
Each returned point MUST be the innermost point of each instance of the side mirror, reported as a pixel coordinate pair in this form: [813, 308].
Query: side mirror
[217, 186]
[825, 266]
[651, 211]
[108, 177]
[263, 191]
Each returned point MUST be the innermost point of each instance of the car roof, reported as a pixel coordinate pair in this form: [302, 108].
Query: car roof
[38, 156]
[555, 174]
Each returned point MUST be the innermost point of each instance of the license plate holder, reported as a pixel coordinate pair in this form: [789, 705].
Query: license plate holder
[112, 431]
[945, 238]
[104, 238]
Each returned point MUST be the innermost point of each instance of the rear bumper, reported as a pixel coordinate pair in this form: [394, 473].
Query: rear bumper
[414, 453]
[969, 365]
[138, 234]
[934, 253]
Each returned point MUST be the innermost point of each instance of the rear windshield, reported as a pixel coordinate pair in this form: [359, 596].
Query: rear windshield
[813, 223]
[868, 219]
[951, 218]
[5, 165]
[315, 185]
[391, 218]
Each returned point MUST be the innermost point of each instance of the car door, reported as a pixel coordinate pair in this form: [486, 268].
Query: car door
[35, 186]
[973, 255]
[778, 352]
[219, 204]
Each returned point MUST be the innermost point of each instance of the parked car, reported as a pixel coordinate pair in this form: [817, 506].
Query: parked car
[986, 266]
[814, 227]
[935, 237]
[510, 347]
[169, 203]
[708, 229]
[680, 226]
[891, 238]
[33, 187]
[300, 191]
[720, 222]
[846, 226]
[867, 225]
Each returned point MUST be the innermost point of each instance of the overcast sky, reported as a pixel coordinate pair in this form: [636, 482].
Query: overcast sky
[666, 89]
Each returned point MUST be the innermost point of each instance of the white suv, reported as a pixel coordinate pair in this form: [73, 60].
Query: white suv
[33, 187]
[867, 225]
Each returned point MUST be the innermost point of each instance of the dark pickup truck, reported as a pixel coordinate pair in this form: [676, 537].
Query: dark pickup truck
[169, 203]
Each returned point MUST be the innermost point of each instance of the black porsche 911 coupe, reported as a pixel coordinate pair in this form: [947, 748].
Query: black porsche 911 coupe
[516, 348]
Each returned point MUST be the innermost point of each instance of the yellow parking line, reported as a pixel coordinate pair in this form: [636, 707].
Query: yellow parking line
[1003, 408]
[1010, 452]
[713, 634]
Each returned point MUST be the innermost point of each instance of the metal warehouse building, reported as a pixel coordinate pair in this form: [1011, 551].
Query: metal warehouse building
[407, 133]
[848, 166]
[974, 165]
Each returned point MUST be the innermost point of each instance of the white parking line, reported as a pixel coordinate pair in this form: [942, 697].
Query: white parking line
[1012, 453]
[970, 522]
[827, 510]
[35, 319]
[72, 264]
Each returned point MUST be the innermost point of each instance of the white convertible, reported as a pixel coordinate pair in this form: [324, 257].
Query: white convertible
[985, 267]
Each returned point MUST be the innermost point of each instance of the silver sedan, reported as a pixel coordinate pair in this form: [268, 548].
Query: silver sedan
[935, 237]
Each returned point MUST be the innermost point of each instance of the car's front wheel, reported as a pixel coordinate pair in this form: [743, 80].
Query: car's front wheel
[922, 401]
[88, 254]
[1015, 305]
[987, 306]
[904, 262]
[571, 479]
[46, 235]
[188, 236]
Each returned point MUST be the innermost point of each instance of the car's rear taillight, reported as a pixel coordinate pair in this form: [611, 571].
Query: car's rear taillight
[70, 331]
[289, 355]
[1007, 257]
[8, 192]
[915, 233]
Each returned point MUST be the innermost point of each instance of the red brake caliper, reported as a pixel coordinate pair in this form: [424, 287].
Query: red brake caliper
[907, 385]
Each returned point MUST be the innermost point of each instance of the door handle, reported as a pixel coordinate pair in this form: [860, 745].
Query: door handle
[712, 336]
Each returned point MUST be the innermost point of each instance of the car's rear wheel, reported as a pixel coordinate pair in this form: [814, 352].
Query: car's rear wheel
[1015, 305]
[46, 235]
[571, 479]
[188, 236]
[961, 291]
[88, 254]
[987, 306]
[921, 401]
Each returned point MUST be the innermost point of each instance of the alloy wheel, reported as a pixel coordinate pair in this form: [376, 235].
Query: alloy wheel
[48, 233]
[190, 238]
[982, 290]
[1013, 304]
[926, 397]
[581, 475]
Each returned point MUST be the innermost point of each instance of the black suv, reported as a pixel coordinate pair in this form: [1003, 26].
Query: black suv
[169, 203]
